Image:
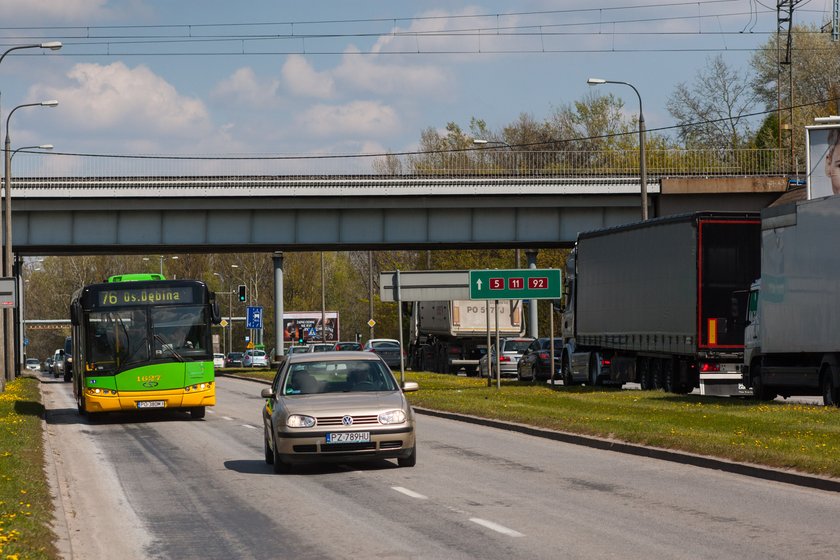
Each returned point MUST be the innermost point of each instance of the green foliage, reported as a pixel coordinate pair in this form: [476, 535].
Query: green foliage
[25, 502]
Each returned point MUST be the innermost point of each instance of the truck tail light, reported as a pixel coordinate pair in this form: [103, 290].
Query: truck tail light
[706, 367]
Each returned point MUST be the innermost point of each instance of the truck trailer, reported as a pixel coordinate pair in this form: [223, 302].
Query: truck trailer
[449, 335]
[793, 316]
[660, 303]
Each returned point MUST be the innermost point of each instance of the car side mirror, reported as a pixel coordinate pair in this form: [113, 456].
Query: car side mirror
[410, 386]
[267, 393]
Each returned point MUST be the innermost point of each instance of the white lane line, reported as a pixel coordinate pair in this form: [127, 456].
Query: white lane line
[409, 493]
[250, 426]
[227, 418]
[496, 527]
[210, 411]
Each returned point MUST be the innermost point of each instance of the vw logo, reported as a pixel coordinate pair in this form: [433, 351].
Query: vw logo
[347, 420]
[150, 384]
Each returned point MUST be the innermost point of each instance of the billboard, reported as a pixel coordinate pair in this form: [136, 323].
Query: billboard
[823, 160]
[304, 327]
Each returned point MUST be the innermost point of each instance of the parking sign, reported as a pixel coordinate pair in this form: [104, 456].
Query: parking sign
[254, 317]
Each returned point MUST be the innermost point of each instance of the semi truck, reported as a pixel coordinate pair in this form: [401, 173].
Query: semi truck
[792, 345]
[446, 336]
[661, 303]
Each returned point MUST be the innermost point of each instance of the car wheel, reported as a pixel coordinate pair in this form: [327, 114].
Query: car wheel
[198, 412]
[269, 454]
[277, 462]
[409, 461]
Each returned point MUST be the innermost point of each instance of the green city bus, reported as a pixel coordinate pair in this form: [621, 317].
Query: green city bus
[143, 342]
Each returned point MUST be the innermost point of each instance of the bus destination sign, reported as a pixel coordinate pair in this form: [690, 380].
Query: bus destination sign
[145, 296]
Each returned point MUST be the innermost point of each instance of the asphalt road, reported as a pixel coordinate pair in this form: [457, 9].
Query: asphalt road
[164, 486]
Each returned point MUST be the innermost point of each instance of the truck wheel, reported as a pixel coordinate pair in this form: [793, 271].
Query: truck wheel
[593, 370]
[830, 393]
[668, 381]
[655, 374]
[568, 378]
[760, 392]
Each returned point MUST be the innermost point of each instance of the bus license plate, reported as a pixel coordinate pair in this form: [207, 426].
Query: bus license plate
[348, 437]
[151, 404]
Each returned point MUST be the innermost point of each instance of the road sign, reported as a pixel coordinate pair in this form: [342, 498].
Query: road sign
[8, 292]
[525, 283]
[424, 285]
[371, 323]
[223, 323]
[254, 316]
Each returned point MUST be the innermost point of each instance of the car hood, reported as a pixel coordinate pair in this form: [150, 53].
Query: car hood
[343, 403]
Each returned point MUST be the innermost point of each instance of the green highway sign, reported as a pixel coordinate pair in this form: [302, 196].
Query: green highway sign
[526, 283]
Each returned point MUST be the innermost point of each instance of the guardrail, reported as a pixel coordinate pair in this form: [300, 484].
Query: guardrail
[474, 162]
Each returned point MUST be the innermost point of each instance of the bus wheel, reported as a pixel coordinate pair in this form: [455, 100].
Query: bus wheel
[197, 413]
[80, 403]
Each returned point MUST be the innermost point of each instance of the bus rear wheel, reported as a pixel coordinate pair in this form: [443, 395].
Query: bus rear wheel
[197, 413]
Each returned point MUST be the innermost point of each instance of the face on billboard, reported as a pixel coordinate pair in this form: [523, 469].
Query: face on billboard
[824, 153]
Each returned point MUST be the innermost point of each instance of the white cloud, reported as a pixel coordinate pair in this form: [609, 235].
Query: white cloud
[355, 118]
[118, 97]
[367, 73]
[38, 12]
[245, 87]
[303, 80]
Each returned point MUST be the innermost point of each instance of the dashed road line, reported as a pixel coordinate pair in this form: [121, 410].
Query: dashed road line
[409, 493]
[249, 426]
[496, 527]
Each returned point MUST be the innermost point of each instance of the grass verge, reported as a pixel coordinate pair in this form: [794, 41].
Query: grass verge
[26, 507]
[788, 436]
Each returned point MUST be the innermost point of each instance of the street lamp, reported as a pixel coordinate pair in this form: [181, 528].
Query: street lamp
[642, 163]
[53, 46]
[162, 257]
[7, 215]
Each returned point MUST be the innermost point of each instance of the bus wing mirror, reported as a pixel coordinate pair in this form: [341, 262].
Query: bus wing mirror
[74, 315]
[216, 314]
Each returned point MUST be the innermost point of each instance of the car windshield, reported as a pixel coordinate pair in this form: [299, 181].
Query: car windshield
[558, 344]
[338, 376]
[515, 345]
[32, 361]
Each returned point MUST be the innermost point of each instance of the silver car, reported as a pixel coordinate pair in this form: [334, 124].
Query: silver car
[337, 406]
[512, 350]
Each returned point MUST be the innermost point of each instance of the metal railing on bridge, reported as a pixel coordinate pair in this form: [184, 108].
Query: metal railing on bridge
[486, 161]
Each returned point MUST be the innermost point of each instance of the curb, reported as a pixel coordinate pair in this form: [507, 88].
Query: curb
[743, 469]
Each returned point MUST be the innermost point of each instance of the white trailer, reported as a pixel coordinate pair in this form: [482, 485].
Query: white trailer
[792, 337]
[449, 335]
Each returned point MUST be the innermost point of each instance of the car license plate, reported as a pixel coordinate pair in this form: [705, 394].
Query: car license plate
[151, 404]
[348, 437]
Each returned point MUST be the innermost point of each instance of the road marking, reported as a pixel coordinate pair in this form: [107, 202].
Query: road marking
[211, 411]
[227, 418]
[409, 493]
[496, 527]
[250, 426]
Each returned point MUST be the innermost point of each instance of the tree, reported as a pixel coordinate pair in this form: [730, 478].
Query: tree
[713, 111]
[814, 90]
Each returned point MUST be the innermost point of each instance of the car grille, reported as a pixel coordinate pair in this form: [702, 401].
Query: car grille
[341, 447]
[339, 420]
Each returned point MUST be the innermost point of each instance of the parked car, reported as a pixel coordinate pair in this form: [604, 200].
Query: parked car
[535, 363]
[233, 359]
[387, 348]
[254, 358]
[218, 360]
[512, 349]
[32, 364]
[321, 347]
[340, 346]
[298, 349]
[337, 406]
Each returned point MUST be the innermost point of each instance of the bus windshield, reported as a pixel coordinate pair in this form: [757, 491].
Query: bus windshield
[120, 338]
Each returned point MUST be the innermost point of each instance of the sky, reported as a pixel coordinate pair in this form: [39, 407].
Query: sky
[264, 77]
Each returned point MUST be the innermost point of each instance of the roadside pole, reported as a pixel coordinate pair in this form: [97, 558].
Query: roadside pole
[398, 299]
[489, 366]
[551, 338]
[498, 360]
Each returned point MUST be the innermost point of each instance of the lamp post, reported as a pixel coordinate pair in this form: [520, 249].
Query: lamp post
[162, 257]
[9, 374]
[226, 327]
[642, 163]
[8, 270]
[20, 311]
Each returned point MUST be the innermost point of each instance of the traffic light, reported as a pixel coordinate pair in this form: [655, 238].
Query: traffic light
[241, 292]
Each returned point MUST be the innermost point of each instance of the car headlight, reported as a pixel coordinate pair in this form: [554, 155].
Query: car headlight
[300, 421]
[392, 417]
